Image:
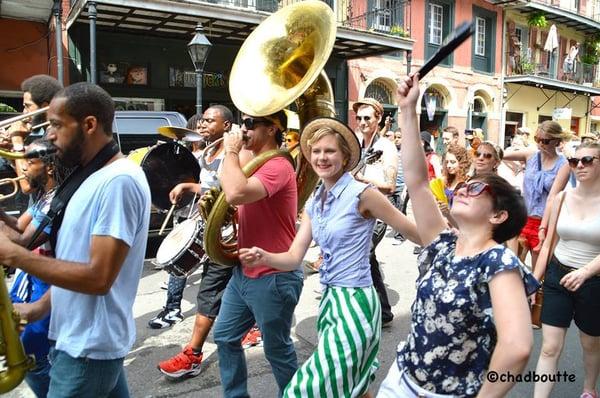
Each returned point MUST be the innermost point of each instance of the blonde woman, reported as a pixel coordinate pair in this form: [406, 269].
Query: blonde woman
[542, 165]
[340, 217]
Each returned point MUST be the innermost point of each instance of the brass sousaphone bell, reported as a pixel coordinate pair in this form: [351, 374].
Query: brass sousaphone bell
[281, 62]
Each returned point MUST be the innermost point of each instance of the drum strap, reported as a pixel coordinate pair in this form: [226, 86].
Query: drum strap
[66, 190]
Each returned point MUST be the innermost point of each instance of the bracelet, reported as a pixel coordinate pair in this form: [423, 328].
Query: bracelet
[232, 153]
[542, 228]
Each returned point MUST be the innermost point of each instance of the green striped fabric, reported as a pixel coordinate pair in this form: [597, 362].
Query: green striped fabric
[345, 360]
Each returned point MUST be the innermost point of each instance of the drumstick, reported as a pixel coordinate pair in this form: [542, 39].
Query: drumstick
[164, 225]
[192, 205]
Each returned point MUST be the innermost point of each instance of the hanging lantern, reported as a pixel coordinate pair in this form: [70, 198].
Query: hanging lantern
[430, 105]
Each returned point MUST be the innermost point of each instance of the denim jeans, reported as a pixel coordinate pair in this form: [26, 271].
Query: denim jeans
[270, 301]
[85, 377]
[175, 292]
[38, 378]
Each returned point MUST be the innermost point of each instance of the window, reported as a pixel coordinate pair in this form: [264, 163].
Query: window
[519, 33]
[480, 36]
[386, 15]
[439, 22]
[484, 44]
[436, 18]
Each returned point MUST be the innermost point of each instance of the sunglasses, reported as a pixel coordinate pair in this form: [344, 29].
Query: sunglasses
[365, 118]
[473, 189]
[250, 122]
[585, 160]
[485, 155]
[545, 141]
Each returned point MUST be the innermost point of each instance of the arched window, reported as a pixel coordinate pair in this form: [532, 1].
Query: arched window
[479, 105]
[380, 92]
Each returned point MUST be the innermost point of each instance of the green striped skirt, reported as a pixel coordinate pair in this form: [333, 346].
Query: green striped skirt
[345, 360]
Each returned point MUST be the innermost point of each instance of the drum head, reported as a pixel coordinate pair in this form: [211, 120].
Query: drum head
[165, 166]
[176, 242]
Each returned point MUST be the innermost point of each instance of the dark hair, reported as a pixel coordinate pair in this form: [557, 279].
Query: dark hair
[507, 198]
[42, 88]
[87, 99]
[282, 118]
[192, 122]
[60, 172]
[225, 112]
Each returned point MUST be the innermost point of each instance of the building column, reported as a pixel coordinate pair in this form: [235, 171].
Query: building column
[58, 34]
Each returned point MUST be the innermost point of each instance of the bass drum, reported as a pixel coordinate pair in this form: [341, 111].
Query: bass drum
[181, 252]
[165, 166]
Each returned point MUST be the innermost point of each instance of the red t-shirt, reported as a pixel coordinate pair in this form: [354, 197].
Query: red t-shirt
[270, 223]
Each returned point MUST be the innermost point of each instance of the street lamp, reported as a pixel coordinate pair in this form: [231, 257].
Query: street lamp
[199, 47]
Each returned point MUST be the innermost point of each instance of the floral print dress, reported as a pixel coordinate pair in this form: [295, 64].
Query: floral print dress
[453, 334]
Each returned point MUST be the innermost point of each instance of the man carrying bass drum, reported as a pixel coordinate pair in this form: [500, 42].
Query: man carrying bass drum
[215, 121]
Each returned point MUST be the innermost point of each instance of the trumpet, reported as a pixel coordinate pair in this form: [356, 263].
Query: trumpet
[6, 123]
[15, 184]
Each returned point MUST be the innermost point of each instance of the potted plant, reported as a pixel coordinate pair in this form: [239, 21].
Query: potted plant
[398, 30]
[538, 20]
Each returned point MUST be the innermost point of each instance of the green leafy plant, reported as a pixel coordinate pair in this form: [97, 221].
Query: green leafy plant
[6, 108]
[538, 19]
[398, 30]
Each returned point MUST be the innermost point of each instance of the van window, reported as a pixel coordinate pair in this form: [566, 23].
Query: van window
[140, 125]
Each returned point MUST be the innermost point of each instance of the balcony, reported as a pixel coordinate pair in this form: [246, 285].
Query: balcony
[570, 13]
[361, 31]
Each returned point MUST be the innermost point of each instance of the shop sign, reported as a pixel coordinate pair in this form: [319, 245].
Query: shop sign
[562, 114]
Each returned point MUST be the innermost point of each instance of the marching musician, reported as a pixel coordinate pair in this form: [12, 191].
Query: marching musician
[38, 91]
[43, 175]
[382, 175]
[99, 249]
[259, 294]
[215, 121]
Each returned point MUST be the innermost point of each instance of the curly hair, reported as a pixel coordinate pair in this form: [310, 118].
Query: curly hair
[464, 164]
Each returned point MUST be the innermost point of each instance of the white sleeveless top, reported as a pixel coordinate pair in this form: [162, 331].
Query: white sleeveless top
[579, 241]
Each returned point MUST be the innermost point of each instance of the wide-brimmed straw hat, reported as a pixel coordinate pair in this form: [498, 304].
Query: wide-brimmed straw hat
[327, 122]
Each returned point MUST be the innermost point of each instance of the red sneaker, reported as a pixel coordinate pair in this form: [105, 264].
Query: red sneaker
[252, 338]
[184, 364]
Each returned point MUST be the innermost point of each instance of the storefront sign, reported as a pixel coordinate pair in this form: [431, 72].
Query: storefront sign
[562, 114]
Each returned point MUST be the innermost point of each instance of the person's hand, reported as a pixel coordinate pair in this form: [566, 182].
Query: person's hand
[253, 256]
[541, 237]
[532, 299]
[444, 208]
[574, 279]
[21, 128]
[408, 91]
[7, 247]
[175, 194]
[29, 312]
[233, 141]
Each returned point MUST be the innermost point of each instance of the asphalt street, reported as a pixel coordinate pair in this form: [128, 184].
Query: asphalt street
[398, 265]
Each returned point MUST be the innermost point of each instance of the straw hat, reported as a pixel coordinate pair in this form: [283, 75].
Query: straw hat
[368, 101]
[337, 126]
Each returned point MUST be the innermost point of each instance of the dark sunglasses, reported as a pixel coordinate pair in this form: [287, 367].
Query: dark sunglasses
[473, 189]
[585, 160]
[485, 155]
[365, 118]
[251, 122]
[545, 141]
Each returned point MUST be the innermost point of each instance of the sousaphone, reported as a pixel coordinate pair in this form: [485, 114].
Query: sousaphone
[281, 62]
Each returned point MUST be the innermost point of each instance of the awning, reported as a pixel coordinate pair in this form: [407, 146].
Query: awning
[225, 24]
[553, 84]
[29, 10]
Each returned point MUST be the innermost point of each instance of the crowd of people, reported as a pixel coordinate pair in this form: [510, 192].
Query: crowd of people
[491, 226]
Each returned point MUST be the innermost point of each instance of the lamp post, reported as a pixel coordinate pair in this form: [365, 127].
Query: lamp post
[198, 49]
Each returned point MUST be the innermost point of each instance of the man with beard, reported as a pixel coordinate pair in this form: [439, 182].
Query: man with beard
[99, 249]
[43, 175]
[38, 91]
[267, 210]
[215, 121]
[381, 174]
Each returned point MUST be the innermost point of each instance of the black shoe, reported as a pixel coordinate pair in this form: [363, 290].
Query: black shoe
[387, 322]
[165, 318]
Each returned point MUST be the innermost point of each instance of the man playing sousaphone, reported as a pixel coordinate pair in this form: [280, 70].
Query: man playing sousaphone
[259, 294]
